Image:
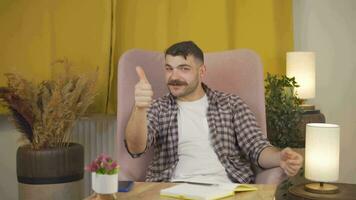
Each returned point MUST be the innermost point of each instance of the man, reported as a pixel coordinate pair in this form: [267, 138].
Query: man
[198, 134]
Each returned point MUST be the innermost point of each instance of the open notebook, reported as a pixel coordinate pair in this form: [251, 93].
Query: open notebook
[205, 192]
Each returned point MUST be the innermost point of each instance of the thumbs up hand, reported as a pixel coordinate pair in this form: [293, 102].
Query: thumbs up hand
[143, 90]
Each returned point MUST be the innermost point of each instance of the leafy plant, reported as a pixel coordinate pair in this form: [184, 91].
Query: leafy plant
[283, 111]
[103, 164]
[46, 112]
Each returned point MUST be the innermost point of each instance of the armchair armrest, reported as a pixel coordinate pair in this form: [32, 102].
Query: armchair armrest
[271, 176]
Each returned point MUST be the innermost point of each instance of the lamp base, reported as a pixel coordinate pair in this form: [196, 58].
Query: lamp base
[307, 107]
[321, 188]
[297, 192]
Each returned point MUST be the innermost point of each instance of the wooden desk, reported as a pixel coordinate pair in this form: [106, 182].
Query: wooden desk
[150, 191]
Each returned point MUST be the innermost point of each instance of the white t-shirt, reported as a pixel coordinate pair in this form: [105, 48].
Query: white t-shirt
[197, 159]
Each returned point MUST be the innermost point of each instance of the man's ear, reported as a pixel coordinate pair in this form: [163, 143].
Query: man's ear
[202, 71]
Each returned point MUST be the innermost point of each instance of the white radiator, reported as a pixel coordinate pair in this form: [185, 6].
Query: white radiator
[98, 135]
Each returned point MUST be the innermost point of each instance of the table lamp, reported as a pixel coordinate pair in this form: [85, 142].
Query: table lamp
[322, 145]
[301, 65]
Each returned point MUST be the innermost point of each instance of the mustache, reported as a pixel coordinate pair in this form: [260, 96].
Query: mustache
[176, 82]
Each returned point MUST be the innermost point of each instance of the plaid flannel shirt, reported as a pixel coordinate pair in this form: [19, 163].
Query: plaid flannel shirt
[235, 136]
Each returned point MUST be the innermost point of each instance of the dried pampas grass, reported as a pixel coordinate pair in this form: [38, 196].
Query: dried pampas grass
[45, 113]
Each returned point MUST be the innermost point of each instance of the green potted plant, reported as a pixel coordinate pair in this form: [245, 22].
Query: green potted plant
[45, 113]
[283, 112]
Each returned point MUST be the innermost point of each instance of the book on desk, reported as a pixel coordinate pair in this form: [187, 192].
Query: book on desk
[203, 191]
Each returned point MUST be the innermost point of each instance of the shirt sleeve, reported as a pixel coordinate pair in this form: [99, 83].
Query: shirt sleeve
[152, 129]
[248, 134]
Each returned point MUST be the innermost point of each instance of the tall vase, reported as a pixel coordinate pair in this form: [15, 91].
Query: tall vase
[53, 173]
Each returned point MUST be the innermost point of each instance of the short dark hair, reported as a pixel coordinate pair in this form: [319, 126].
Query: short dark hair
[185, 49]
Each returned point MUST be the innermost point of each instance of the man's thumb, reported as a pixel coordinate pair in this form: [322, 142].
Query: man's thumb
[141, 74]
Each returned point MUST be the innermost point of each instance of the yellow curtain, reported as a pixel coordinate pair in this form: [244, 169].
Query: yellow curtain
[36, 33]
[215, 25]
[95, 33]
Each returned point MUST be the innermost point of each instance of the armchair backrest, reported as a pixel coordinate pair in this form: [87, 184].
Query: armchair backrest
[237, 71]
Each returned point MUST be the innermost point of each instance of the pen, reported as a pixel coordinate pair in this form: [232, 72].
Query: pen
[197, 183]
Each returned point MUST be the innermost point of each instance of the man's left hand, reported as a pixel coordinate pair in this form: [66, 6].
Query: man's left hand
[291, 161]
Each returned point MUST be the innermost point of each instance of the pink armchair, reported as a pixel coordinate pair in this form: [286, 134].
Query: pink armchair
[237, 71]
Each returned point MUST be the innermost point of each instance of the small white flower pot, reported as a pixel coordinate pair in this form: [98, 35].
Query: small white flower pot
[104, 184]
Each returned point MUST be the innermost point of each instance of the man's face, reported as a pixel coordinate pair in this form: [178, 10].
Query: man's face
[183, 76]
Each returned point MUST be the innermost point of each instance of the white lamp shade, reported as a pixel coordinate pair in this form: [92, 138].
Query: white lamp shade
[322, 146]
[301, 65]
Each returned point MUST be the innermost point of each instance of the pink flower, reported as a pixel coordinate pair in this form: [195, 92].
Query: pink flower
[114, 165]
[103, 164]
[111, 166]
[92, 167]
